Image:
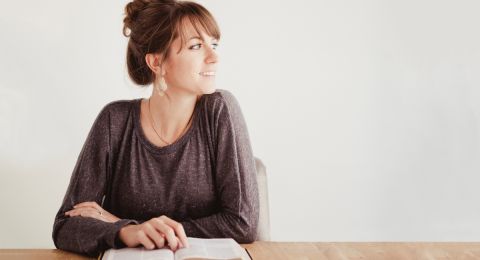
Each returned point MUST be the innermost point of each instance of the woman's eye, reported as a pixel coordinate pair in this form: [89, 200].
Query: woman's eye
[196, 46]
[199, 45]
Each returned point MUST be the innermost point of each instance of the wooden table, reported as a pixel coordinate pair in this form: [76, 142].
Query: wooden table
[363, 250]
[307, 250]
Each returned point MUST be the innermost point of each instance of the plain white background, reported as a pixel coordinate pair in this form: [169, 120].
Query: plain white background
[366, 113]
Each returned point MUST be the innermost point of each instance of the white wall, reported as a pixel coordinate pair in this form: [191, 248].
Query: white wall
[366, 113]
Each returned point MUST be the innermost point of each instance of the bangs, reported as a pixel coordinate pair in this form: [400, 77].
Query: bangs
[201, 20]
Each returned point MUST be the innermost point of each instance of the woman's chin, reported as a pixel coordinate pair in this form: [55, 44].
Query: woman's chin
[209, 90]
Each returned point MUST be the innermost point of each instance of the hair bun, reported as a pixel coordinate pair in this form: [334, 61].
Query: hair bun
[132, 10]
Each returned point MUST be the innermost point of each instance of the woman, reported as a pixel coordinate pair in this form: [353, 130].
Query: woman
[154, 171]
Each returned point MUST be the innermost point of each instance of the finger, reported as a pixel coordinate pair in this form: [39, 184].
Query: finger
[167, 231]
[180, 244]
[86, 212]
[78, 211]
[74, 212]
[178, 228]
[89, 214]
[98, 209]
[83, 207]
[91, 204]
[145, 241]
[154, 235]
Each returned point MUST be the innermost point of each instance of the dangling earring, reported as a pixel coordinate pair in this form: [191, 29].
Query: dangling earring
[161, 86]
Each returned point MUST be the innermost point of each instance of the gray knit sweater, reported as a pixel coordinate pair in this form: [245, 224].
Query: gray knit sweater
[206, 180]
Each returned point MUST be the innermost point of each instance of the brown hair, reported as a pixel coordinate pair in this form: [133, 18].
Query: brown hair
[153, 25]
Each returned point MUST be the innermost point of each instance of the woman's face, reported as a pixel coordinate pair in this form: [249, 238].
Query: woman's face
[193, 69]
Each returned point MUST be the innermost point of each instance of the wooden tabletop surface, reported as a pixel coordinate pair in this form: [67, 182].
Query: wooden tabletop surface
[310, 250]
[363, 250]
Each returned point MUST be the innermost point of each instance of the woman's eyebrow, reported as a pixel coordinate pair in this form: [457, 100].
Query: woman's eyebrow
[198, 37]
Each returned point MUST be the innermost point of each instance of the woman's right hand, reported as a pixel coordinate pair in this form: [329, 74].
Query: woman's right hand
[155, 233]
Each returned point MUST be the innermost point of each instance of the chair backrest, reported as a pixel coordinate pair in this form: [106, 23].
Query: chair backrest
[263, 232]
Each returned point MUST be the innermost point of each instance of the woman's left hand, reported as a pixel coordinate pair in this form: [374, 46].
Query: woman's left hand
[92, 210]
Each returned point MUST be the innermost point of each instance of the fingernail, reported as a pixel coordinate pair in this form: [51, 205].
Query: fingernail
[75, 206]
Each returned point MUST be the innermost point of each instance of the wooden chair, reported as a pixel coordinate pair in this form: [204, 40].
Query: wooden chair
[263, 232]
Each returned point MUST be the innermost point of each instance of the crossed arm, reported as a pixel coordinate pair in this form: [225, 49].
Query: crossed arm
[155, 233]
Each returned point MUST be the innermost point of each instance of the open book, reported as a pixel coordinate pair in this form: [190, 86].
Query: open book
[199, 248]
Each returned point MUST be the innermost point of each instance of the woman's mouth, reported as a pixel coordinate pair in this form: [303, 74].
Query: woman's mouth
[207, 73]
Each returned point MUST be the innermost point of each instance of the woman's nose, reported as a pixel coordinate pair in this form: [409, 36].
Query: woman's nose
[212, 56]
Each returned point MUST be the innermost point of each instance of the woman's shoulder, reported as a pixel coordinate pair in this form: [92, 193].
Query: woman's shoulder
[117, 113]
[120, 107]
[223, 108]
[220, 99]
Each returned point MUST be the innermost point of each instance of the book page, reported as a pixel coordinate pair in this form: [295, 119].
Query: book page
[139, 253]
[224, 248]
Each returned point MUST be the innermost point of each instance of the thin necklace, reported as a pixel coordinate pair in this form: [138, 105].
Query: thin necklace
[153, 125]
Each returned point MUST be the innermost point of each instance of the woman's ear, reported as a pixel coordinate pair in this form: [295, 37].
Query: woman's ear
[154, 62]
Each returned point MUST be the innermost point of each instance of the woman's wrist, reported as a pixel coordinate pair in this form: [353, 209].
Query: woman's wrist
[123, 235]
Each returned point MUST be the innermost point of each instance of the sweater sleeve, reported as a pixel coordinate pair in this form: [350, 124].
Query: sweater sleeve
[235, 179]
[83, 234]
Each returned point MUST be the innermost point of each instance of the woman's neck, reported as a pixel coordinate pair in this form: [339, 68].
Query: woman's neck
[172, 112]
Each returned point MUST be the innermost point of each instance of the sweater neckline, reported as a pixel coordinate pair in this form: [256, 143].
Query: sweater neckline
[167, 148]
